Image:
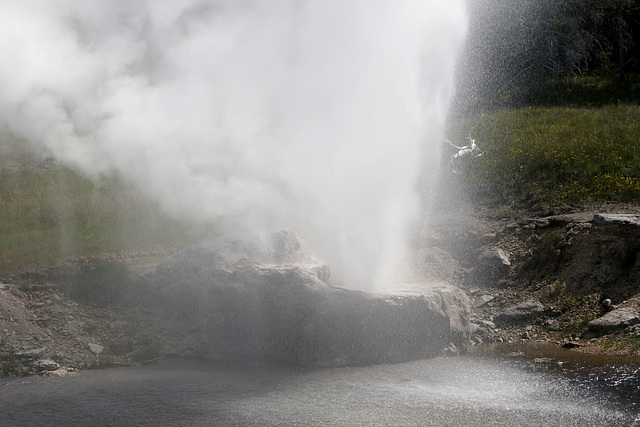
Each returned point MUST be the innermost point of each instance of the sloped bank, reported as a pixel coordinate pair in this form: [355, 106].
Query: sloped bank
[269, 302]
[570, 279]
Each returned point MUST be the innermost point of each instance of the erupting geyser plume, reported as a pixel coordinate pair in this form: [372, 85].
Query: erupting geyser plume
[311, 115]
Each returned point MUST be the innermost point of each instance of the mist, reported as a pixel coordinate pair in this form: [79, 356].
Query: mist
[322, 117]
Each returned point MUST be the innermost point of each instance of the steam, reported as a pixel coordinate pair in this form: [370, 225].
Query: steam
[311, 115]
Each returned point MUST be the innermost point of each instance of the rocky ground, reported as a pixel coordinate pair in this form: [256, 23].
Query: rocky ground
[570, 279]
[46, 328]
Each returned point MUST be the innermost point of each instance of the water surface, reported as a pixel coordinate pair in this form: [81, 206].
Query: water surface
[464, 391]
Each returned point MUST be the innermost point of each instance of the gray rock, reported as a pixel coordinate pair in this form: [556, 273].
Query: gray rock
[45, 365]
[494, 258]
[617, 219]
[552, 324]
[532, 223]
[619, 318]
[633, 330]
[455, 305]
[450, 350]
[476, 329]
[488, 324]
[519, 313]
[95, 348]
[473, 328]
[274, 305]
[483, 300]
[60, 372]
[31, 354]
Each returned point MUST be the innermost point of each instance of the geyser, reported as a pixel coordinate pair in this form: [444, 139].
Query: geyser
[316, 116]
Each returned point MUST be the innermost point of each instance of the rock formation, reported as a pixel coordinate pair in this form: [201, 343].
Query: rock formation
[269, 302]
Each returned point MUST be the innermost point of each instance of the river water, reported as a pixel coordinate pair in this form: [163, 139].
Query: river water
[498, 387]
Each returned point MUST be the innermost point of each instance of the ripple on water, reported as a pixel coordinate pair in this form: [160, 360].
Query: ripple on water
[463, 391]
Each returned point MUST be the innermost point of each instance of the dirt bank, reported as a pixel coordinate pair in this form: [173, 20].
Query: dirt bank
[578, 265]
[80, 314]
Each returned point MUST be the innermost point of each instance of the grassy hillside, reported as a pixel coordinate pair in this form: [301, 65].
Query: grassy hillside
[548, 155]
[49, 213]
[579, 153]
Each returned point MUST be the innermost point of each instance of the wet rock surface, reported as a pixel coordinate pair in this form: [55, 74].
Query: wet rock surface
[265, 301]
[243, 307]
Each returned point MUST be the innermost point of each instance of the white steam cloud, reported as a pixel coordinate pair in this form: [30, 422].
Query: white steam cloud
[311, 115]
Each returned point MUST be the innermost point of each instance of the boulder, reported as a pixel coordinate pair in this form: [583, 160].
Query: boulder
[482, 301]
[488, 324]
[494, 257]
[552, 324]
[619, 318]
[95, 348]
[519, 313]
[491, 266]
[43, 365]
[269, 302]
[477, 329]
[617, 219]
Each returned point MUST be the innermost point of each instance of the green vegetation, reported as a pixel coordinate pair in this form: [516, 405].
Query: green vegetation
[620, 341]
[513, 62]
[542, 250]
[559, 295]
[551, 155]
[9, 366]
[555, 292]
[49, 213]
[58, 359]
